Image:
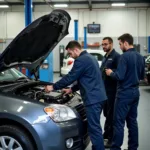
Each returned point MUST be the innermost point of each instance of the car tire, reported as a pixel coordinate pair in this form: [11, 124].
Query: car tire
[148, 78]
[12, 137]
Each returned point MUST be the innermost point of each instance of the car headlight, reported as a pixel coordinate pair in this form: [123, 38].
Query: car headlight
[59, 113]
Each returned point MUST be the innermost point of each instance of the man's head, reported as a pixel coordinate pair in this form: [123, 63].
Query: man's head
[74, 49]
[125, 42]
[107, 44]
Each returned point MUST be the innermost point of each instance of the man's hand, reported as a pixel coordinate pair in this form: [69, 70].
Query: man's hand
[48, 88]
[67, 91]
[108, 71]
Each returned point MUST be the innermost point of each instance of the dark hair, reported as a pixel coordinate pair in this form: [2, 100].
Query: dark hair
[126, 37]
[109, 39]
[73, 44]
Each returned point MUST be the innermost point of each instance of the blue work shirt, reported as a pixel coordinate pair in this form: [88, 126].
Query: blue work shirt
[129, 72]
[88, 76]
[111, 62]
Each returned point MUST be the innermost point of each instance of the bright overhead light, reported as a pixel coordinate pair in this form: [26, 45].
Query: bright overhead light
[4, 6]
[60, 5]
[118, 4]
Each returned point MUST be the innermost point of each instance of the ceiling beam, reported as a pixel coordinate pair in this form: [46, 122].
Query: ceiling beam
[80, 2]
[90, 4]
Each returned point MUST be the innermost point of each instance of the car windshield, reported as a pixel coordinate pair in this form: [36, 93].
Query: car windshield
[11, 75]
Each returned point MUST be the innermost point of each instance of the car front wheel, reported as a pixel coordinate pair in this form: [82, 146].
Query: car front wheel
[14, 138]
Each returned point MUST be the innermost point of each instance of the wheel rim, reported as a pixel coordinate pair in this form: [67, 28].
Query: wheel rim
[9, 143]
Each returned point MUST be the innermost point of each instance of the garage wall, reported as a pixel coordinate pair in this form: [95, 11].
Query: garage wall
[114, 22]
[148, 22]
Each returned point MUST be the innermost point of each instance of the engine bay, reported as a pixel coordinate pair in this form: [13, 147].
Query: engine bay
[37, 92]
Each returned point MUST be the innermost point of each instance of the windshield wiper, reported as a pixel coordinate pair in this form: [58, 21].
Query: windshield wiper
[22, 79]
[2, 82]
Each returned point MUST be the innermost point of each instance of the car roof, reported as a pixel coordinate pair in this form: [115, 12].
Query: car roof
[99, 51]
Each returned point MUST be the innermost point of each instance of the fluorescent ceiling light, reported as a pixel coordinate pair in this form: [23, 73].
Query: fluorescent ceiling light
[60, 5]
[118, 4]
[4, 6]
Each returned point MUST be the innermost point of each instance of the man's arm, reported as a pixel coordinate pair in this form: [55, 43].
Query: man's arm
[119, 74]
[75, 87]
[73, 75]
[117, 59]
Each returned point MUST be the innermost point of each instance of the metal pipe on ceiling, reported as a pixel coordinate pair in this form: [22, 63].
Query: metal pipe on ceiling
[80, 2]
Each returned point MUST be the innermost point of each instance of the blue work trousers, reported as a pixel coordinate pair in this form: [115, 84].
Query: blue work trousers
[109, 113]
[93, 113]
[125, 110]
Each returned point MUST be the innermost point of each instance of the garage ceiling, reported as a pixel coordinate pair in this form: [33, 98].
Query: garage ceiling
[89, 3]
[76, 1]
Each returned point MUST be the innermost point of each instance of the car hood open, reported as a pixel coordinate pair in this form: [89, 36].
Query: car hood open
[32, 45]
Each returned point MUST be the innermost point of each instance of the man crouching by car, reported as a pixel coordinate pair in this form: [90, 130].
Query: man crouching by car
[88, 76]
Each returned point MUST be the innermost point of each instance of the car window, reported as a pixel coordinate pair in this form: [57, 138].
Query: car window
[98, 57]
[148, 59]
[10, 75]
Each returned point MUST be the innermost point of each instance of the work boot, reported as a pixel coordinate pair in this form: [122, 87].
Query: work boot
[105, 136]
[93, 147]
[107, 144]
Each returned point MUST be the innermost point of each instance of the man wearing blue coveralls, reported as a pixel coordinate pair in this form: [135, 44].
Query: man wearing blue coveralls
[88, 76]
[129, 72]
[110, 61]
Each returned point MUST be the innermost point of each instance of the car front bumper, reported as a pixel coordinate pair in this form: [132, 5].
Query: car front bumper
[53, 135]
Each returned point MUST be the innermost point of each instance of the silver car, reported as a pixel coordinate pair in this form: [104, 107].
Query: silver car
[31, 119]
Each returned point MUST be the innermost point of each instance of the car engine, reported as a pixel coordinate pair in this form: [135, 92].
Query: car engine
[38, 93]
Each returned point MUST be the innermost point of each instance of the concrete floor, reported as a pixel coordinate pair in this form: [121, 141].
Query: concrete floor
[143, 119]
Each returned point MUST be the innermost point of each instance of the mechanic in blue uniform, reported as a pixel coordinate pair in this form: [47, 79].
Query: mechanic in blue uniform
[110, 60]
[129, 72]
[88, 76]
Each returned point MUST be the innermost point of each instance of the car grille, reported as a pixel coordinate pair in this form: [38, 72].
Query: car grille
[86, 139]
[78, 143]
[81, 110]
